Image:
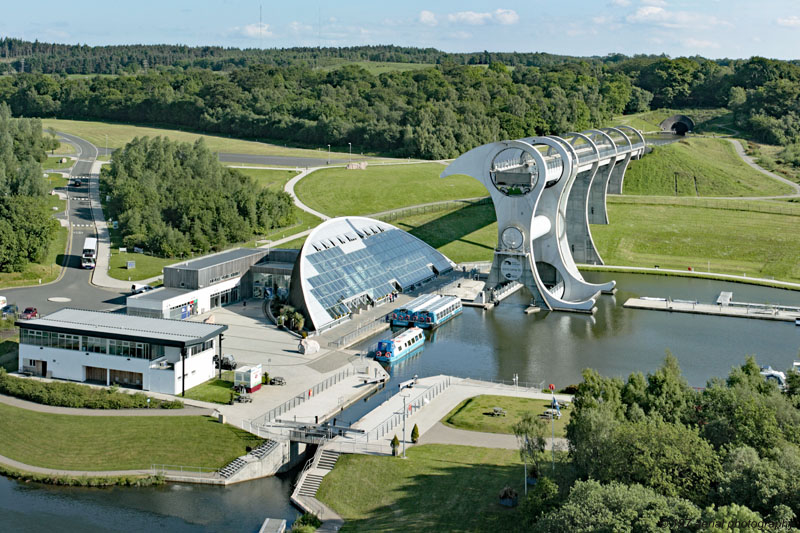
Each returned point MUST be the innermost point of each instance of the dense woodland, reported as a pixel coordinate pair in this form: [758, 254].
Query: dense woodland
[432, 113]
[653, 454]
[26, 225]
[174, 199]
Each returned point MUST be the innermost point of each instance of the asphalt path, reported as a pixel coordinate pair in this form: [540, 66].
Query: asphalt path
[73, 288]
[278, 160]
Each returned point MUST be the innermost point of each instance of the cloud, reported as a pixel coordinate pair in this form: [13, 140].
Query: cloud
[299, 27]
[654, 2]
[621, 3]
[790, 22]
[658, 16]
[697, 43]
[500, 16]
[254, 31]
[428, 18]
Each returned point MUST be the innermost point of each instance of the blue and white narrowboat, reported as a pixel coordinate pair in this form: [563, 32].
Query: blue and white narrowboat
[399, 346]
[427, 311]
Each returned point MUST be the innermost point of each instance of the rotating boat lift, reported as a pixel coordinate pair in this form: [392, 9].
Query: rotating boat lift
[546, 191]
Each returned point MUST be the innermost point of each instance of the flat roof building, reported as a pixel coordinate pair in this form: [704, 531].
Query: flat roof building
[94, 346]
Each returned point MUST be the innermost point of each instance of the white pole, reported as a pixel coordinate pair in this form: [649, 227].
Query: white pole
[404, 426]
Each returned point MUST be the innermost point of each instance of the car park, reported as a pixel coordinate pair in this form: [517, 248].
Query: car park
[29, 313]
[10, 311]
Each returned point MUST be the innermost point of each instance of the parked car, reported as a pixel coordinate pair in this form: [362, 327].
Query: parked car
[228, 362]
[10, 311]
[29, 313]
[277, 380]
[139, 289]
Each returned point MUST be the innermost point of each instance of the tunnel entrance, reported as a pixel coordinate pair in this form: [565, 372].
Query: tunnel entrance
[677, 124]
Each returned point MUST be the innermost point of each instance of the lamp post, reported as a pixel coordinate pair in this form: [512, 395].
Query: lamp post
[404, 424]
[329, 154]
[553, 424]
[350, 145]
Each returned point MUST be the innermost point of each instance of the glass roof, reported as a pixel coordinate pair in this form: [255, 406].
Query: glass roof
[388, 255]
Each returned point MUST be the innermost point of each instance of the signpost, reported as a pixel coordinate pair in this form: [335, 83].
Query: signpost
[131, 265]
[553, 423]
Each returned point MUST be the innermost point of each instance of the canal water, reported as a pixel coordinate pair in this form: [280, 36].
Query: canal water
[541, 348]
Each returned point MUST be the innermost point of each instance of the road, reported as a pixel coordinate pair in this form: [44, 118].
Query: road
[72, 289]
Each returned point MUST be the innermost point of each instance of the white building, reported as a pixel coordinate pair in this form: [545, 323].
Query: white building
[151, 354]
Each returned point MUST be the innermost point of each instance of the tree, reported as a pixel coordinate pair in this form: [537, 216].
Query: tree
[415, 434]
[395, 445]
[592, 507]
[531, 433]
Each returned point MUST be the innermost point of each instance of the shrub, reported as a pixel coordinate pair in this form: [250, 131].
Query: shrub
[78, 396]
[415, 434]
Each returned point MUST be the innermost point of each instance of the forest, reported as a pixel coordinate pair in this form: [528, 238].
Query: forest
[653, 454]
[174, 199]
[432, 113]
[26, 227]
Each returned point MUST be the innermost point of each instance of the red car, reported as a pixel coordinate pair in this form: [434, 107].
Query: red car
[29, 313]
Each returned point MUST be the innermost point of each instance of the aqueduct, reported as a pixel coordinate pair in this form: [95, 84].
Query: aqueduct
[546, 191]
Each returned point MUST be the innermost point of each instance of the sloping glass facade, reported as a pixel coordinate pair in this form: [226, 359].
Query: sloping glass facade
[387, 260]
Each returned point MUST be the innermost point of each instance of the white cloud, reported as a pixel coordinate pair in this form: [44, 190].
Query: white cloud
[790, 22]
[299, 27]
[428, 18]
[654, 2]
[254, 31]
[697, 43]
[621, 3]
[506, 16]
[460, 35]
[658, 16]
[472, 18]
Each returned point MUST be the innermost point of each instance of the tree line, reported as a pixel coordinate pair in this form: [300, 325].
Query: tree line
[174, 199]
[653, 454]
[26, 227]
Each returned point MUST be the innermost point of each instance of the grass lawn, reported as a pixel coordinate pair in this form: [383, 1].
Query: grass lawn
[118, 442]
[698, 167]
[475, 414]
[271, 179]
[214, 390]
[52, 163]
[438, 488]
[121, 134]
[147, 266]
[337, 191]
[47, 270]
[295, 244]
[760, 244]
[55, 179]
[64, 148]
[705, 120]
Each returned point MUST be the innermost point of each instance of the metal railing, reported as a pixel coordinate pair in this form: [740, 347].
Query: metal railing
[311, 463]
[363, 329]
[164, 469]
[396, 418]
[288, 405]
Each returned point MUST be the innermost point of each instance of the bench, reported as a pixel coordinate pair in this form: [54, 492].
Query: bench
[498, 411]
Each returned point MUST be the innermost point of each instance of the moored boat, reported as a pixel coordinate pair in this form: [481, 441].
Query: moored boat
[399, 346]
[428, 311]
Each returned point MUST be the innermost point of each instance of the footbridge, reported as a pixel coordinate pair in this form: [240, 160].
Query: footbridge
[546, 191]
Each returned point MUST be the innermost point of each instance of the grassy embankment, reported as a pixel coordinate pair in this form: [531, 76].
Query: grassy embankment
[121, 134]
[475, 414]
[54, 163]
[338, 192]
[705, 120]
[64, 148]
[50, 267]
[698, 167]
[438, 488]
[94, 443]
[214, 390]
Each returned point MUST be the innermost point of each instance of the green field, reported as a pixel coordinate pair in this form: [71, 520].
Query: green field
[698, 167]
[55, 179]
[705, 120]
[376, 68]
[52, 163]
[728, 241]
[147, 266]
[121, 134]
[338, 192]
[271, 179]
[214, 390]
[438, 488]
[64, 148]
[295, 244]
[475, 414]
[118, 442]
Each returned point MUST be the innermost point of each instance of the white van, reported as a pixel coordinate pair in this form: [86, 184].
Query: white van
[3, 302]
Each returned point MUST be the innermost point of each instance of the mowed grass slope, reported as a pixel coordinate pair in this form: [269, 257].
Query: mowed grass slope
[438, 488]
[698, 167]
[269, 178]
[338, 192]
[121, 134]
[476, 414]
[733, 242]
[118, 442]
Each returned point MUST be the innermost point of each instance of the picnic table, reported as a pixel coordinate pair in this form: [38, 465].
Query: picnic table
[551, 413]
[498, 411]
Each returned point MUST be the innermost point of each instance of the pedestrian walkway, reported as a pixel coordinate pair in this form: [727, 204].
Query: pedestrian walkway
[52, 409]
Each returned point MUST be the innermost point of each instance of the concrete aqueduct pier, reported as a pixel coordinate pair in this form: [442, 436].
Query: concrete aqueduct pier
[546, 191]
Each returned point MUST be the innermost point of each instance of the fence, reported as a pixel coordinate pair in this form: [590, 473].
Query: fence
[274, 413]
[396, 418]
[395, 214]
[360, 331]
[756, 206]
[165, 469]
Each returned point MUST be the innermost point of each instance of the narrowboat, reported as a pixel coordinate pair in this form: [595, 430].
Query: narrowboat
[399, 346]
[427, 311]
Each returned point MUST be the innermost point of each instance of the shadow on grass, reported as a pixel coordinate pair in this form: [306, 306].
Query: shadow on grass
[455, 225]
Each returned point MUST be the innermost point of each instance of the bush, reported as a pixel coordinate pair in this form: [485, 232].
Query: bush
[78, 396]
[415, 434]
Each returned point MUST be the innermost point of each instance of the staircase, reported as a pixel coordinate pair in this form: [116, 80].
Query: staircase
[232, 467]
[261, 451]
[327, 460]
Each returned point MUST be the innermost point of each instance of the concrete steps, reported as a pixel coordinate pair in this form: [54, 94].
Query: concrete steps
[310, 485]
[232, 467]
[327, 460]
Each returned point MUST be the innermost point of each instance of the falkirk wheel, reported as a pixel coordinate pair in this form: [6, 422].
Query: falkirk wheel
[546, 191]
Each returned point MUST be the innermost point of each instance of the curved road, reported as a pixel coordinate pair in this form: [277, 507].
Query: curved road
[73, 284]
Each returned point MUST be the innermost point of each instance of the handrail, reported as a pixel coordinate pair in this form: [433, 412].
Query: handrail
[182, 468]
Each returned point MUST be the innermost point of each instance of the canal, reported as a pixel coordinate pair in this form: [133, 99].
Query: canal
[541, 348]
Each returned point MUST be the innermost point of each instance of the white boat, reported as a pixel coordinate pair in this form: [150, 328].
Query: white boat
[399, 346]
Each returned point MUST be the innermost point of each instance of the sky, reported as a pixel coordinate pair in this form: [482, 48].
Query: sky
[711, 28]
